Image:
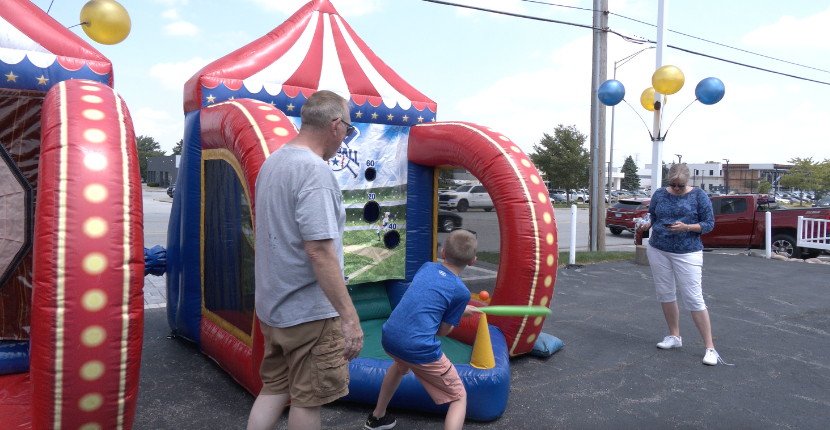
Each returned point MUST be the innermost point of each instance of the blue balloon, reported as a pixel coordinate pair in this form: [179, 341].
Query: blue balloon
[611, 92]
[710, 91]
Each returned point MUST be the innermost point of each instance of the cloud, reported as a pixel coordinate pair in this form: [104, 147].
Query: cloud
[171, 2]
[347, 8]
[181, 28]
[174, 75]
[170, 14]
[158, 124]
[791, 32]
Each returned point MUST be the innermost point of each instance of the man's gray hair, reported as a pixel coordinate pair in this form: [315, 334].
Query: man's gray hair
[322, 108]
[680, 172]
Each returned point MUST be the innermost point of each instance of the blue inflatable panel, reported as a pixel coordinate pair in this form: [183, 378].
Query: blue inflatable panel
[14, 356]
[184, 274]
[419, 215]
[487, 390]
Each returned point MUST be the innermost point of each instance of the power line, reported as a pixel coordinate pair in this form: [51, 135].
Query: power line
[680, 33]
[623, 36]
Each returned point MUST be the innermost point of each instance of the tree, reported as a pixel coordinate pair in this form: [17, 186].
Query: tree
[563, 157]
[147, 147]
[764, 187]
[631, 181]
[801, 174]
[665, 181]
[177, 148]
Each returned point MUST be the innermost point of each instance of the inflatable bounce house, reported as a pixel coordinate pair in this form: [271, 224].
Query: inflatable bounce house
[244, 106]
[71, 236]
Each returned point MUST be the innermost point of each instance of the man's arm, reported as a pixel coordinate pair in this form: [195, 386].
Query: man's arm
[326, 267]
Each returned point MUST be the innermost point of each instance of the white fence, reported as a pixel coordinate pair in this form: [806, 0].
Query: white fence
[813, 233]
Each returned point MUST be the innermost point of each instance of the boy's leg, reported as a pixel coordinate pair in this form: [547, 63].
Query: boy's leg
[387, 389]
[304, 418]
[266, 411]
[456, 414]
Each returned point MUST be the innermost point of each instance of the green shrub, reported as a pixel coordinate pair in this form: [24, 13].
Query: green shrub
[152, 184]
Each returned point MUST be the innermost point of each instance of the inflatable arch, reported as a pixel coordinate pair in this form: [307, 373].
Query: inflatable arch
[75, 297]
[244, 106]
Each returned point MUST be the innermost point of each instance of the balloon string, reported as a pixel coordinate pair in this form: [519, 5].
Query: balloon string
[82, 23]
[641, 119]
[50, 7]
[678, 116]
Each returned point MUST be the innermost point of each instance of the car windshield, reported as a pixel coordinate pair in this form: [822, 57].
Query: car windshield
[627, 204]
[463, 189]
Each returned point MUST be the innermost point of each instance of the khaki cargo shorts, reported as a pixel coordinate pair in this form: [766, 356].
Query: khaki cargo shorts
[305, 361]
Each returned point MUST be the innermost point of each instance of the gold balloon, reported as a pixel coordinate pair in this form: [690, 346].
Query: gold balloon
[106, 21]
[647, 99]
[668, 80]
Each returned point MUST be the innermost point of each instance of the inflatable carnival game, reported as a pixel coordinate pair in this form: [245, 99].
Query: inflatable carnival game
[71, 236]
[244, 106]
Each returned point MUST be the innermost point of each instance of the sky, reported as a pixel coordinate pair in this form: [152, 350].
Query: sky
[518, 76]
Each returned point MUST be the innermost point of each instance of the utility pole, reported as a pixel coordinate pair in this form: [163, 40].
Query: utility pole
[679, 158]
[727, 175]
[599, 75]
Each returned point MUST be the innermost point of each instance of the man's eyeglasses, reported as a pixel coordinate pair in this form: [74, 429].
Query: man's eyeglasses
[677, 185]
[349, 127]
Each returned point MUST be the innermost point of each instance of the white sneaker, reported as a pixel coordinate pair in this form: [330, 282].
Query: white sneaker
[712, 358]
[670, 342]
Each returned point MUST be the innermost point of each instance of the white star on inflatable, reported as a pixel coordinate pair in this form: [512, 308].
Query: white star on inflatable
[210, 98]
[11, 77]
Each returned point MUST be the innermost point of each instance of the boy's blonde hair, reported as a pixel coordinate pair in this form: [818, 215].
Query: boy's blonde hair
[460, 247]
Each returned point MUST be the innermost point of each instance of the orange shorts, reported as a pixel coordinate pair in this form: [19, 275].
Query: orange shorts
[439, 378]
[306, 361]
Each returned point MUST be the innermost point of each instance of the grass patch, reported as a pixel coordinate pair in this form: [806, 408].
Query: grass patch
[582, 257]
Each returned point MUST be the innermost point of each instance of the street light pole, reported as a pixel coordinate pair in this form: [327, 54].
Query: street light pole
[679, 158]
[613, 108]
[727, 175]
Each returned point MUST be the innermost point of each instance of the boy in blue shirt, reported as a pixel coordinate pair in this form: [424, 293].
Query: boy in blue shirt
[432, 306]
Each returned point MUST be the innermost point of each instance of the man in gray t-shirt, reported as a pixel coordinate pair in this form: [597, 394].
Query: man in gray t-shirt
[309, 323]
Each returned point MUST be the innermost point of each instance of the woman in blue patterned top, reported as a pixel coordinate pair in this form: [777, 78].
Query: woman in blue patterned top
[679, 215]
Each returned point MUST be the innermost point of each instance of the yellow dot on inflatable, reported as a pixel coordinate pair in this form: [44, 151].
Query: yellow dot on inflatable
[93, 114]
[546, 216]
[543, 302]
[94, 135]
[272, 117]
[279, 131]
[90, 88]
[516, 149]
[95, 227]
[91, 426]
[92, 99]
[537, 321]
[504, 138]
[95, 193]
[95, 161]
[525, 162]
[91, 402]
[534, 179]
[531, 338]
[94, 263]
[92, 370]
[542, 197]
[94, 300]
[550, 260]
[265, 107]
[548, 281]
[93, 336]
[549, 238]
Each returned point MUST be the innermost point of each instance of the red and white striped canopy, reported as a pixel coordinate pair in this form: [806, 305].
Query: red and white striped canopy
[315, 49]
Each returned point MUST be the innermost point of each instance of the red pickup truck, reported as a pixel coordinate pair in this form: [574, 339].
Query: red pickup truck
[740, 222]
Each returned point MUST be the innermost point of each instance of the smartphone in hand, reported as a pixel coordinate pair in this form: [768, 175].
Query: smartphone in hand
[668, 225]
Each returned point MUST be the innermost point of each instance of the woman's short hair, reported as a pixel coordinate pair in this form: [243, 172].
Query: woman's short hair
[679, 171]
[322, 108]
[460, 247]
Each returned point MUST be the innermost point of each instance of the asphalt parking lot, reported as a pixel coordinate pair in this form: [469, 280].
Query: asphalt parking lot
[770, 318]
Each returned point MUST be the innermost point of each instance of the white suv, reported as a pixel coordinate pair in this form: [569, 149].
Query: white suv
[465, 197]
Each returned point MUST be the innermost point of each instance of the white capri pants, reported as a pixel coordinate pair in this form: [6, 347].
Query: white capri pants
[686, 269]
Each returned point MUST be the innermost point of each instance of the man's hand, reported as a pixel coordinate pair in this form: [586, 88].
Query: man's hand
[469, 310]
[353, 337]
